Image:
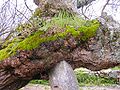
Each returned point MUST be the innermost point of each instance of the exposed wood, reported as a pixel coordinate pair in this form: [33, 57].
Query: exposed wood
[62, 77]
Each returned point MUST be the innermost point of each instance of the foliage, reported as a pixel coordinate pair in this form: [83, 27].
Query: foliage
[70, 24]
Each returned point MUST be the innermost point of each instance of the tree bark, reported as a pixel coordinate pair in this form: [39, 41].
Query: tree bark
[79, 3]
[99, 52]
[64, 4]
[62, 77]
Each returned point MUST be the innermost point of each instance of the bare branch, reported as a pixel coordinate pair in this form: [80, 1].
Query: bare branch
[84, 13]
[105, 6]
[27, 6]
[24, 16]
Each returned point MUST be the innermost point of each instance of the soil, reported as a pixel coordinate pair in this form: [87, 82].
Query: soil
[45, 87]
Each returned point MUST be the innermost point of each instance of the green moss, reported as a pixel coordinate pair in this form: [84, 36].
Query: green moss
[8, 51]
[32, 41]
[71, 25]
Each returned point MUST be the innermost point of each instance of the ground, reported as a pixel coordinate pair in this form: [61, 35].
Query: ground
[45, 87]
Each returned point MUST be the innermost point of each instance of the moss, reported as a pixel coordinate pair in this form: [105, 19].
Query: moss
[8, 51]
[71, 25]
[31, 41]
[35, 40]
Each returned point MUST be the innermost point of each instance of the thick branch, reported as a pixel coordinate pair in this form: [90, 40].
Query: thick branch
[28, 64]
[99, 52]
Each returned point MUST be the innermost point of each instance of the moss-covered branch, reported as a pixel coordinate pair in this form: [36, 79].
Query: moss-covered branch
[58, 27]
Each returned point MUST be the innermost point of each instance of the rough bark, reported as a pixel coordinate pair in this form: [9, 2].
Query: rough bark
[79, 3]
[71, 5]
[99, 52]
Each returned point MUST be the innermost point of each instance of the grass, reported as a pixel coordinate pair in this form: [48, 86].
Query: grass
[63, 19]
[84, 79]
[116, 68]
[44, 82]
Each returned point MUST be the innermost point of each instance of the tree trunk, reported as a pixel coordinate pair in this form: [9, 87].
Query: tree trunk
[64, 4]
[62, 77]
[99, 52]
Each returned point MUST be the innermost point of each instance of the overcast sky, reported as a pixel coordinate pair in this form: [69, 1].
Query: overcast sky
[9, 10]
[94, 10]
[21, 3]
[9, 18]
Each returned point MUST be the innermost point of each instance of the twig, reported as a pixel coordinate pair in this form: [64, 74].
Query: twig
[84, 14]
[105, 6]
[24, 16]
[27, 6]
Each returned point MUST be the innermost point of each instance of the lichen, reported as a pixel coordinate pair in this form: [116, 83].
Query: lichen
[83, 29]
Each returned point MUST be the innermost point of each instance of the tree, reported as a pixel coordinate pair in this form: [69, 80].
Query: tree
[91, 44]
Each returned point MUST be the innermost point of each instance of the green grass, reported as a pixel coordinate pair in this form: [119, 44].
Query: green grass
[84, 79]
[44, 82]
[116, 68]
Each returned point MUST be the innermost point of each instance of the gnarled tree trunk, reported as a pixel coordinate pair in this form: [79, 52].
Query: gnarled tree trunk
[99, 52]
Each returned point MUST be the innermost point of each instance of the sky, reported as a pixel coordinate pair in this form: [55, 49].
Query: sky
[94, 10]
[7, 19]
[20, 3]
[10, 9]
